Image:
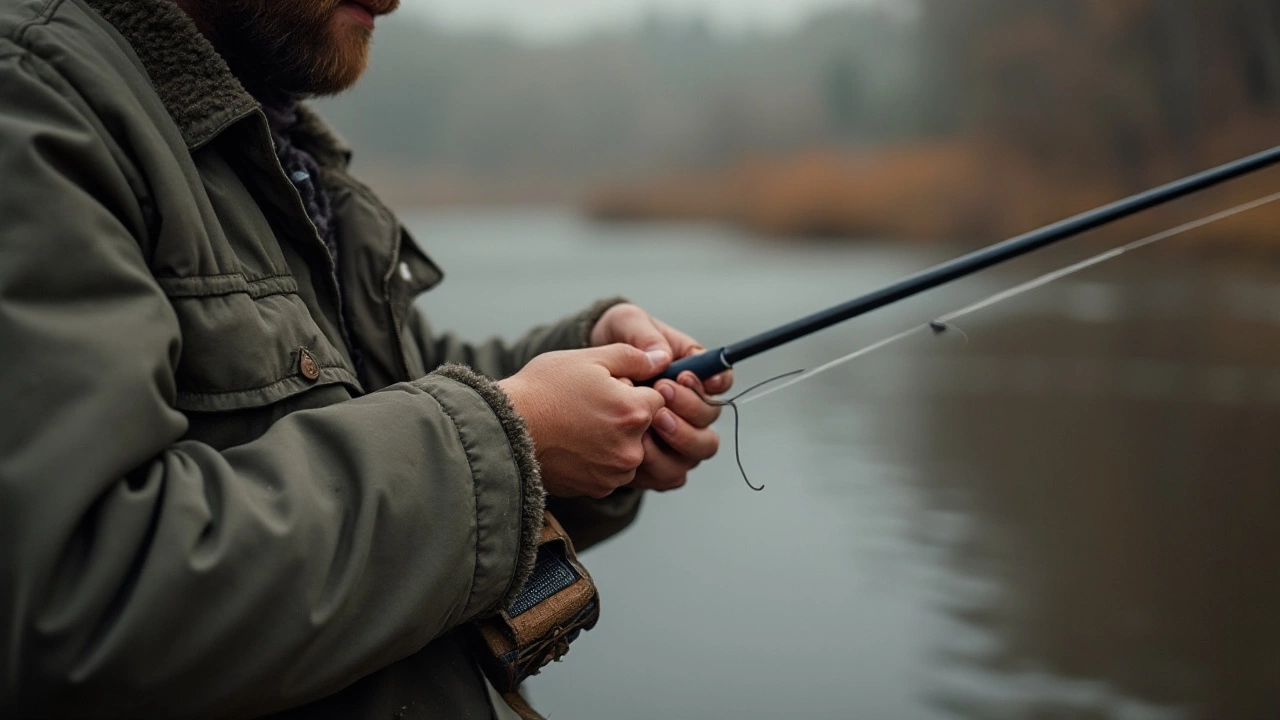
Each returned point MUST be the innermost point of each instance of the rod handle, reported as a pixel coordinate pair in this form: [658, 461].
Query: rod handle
[705, 366]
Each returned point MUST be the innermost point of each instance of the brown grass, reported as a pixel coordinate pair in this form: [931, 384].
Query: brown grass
[946, 191]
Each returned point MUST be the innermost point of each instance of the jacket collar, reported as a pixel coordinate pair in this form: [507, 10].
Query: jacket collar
[193, 81]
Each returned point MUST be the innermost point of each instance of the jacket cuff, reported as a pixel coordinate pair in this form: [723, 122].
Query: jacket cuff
[587, 320]
[493, 509]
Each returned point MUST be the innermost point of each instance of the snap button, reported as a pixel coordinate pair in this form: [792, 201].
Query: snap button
[307, 365]
[405, 273]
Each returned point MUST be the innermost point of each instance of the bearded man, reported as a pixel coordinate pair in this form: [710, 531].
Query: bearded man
[239, 473]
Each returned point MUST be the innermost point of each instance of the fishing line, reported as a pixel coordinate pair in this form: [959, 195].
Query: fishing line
[732, 403]
[944, 322]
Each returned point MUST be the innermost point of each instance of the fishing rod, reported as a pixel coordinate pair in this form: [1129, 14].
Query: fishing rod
[714, 362]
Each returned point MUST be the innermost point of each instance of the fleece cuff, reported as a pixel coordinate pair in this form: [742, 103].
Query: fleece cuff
[533, 495]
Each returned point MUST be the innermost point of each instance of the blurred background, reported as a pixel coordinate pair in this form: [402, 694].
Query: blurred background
[1072, 514]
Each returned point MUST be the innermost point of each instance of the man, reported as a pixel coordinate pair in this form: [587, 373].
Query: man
[239, 474]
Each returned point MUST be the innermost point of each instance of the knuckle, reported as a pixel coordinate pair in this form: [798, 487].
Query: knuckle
[653, 402]
[630, 457]
[634, 458]
[635, 418]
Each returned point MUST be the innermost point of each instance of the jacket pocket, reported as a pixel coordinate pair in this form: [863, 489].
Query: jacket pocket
[249, 342]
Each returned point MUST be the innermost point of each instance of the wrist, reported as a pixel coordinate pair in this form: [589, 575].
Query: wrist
[514, 390]
[525, 406]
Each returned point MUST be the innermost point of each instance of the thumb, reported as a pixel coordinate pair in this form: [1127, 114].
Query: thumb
[625, 361]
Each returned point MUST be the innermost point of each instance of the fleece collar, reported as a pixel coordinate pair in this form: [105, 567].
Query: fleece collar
[193, 81]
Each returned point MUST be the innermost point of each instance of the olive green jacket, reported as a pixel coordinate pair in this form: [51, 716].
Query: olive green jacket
[205, 510]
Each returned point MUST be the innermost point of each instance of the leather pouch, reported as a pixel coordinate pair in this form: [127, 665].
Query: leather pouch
[557, 604]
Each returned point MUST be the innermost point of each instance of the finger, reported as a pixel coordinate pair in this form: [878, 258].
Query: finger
[610, 483]
[682, 345]
[662, 470]
[637, 329]
[652, 400]
[719, 384]
[687, 404]
[626, 361]
[693, 444]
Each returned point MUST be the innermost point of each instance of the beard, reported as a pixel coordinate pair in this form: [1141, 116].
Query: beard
[294, 48]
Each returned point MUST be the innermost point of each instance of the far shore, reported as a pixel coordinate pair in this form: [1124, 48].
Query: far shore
[933, 193]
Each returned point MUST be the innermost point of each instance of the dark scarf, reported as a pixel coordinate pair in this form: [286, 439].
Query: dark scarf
[302, 169]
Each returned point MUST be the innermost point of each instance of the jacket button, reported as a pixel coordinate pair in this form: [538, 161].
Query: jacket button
[307, 365]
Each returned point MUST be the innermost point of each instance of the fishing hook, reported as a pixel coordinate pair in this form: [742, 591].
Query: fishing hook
[732, 403]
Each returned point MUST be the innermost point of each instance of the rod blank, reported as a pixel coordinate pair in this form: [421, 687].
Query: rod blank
[716, 361]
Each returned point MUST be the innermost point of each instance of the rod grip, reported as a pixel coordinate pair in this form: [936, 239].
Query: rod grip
[705, 366]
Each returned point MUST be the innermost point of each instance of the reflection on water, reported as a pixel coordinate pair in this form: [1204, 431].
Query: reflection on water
[1070, 515]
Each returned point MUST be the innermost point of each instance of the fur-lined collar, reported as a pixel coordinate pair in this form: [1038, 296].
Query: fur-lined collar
[193, 81]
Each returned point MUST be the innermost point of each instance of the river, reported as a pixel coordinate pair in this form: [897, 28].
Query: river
[1072, 513]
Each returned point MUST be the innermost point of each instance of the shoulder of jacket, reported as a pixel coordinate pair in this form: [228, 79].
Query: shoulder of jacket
[17, 17]
[25, 47]
[57, 32]
[67, 18]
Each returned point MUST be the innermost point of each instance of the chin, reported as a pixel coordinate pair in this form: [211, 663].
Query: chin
[344, 60]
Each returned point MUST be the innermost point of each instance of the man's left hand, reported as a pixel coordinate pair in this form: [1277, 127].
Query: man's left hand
[681, 436]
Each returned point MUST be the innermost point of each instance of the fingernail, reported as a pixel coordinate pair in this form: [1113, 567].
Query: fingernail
[665, 421]
[658, 357]
[668, 393]
[688, 379]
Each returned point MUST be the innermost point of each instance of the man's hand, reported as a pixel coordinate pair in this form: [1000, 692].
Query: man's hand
[681, 437]
[587, 419]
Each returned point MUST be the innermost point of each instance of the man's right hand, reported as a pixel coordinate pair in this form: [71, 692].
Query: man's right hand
[586, 417]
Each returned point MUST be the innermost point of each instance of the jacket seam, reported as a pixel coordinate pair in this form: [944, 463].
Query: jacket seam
[268, 386]
[247, 278]
[250, 293]
[475, 499]
[510, 449]
[258, 295]
[506, 592]
[42, 18]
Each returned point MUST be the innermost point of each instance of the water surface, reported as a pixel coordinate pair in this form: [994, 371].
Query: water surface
[1073, 514]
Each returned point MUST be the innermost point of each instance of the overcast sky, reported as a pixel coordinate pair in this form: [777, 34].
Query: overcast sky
[557, 19]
